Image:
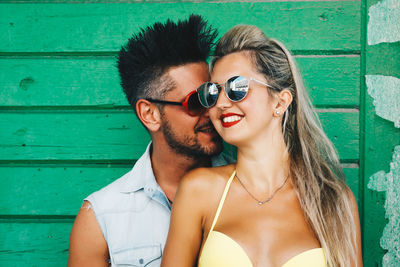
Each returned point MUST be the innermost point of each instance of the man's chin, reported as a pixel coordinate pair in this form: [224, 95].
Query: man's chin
[214, 148]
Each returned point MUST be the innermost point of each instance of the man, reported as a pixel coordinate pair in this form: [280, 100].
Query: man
[126, 223]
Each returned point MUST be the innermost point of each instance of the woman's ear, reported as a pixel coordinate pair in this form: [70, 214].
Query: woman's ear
[285, 98]
[149, 115]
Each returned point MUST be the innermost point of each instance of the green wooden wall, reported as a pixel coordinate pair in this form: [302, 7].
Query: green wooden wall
[66, 129]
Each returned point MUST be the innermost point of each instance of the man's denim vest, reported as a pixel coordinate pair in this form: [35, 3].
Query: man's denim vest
[133, 213]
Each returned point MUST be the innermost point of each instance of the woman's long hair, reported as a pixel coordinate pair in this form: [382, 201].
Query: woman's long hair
[317, 176]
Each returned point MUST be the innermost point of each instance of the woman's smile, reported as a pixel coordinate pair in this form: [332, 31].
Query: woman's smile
[230, 119]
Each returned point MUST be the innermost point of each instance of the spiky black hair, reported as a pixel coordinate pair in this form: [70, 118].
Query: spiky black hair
[149, 53]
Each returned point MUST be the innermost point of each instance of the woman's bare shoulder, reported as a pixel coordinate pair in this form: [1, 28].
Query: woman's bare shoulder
[204, 182]
[205, 177]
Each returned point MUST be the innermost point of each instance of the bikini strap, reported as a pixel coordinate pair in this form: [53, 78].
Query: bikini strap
[221, 202]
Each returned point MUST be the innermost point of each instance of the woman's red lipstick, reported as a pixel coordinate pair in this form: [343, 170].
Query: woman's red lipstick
[235, 118]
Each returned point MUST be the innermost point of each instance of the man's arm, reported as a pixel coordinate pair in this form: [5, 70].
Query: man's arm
[87, 246]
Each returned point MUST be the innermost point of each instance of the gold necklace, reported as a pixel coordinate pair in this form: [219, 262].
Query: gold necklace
[260, 202]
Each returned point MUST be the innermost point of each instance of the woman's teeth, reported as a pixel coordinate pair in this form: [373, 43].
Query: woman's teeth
[231, 119]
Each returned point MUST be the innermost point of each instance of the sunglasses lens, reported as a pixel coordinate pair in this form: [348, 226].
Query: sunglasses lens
[237, 88]
[208, 94]
[194, 106]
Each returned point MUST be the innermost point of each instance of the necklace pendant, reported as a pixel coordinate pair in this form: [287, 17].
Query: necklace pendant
[260, 203]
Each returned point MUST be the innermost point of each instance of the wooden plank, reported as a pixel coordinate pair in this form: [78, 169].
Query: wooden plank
[52, 189]
[57, 190]
[353, 181]
[116, 135]
[34, 244]
[332, 81]
[111, 135]
[380, 138]
[94, 81]
[60, 81]
[343, 130]
[308, 26]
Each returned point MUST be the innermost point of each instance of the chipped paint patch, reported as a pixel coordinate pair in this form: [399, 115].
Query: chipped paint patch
[390, 183]
[384, 22]
[386, 93]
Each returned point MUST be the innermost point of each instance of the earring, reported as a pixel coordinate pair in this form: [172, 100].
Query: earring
[277, 112]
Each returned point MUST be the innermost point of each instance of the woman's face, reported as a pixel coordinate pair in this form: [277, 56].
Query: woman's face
[250, 118]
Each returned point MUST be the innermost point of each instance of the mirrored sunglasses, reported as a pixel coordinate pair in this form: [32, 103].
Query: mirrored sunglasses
[236, 89]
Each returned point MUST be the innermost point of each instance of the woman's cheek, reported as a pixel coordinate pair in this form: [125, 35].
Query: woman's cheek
[214, 117]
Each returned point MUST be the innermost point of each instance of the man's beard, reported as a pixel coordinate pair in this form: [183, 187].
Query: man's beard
[190, 146]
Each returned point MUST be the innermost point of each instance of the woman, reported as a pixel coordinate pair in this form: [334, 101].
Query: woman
[284, 202]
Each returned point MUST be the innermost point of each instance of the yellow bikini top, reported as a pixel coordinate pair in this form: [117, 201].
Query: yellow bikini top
[220, 250]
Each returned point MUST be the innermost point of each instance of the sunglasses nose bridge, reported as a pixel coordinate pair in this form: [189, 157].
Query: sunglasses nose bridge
[223, 99]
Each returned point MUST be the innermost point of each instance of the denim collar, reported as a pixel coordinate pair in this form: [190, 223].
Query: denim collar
[141, 177]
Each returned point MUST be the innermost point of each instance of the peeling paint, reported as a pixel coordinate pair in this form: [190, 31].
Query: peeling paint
[390, 183]
[384, 22]
[386, 93]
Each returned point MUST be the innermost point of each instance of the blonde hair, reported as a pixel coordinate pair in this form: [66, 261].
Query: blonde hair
[317, 175]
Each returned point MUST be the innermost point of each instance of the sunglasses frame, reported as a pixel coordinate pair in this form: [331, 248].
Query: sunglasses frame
[219, 85]
[184, 104]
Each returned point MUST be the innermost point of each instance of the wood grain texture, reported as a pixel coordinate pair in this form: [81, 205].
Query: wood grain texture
[117, 135]
[380, 140]
[57, 190]
[52, 189]
[353, 181]
[60, 81]
[108, 135]
[94, 81]
[332, 81]
[378, 144]
[34, 244]
[309, 26]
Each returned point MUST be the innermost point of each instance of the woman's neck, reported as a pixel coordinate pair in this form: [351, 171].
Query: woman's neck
[264, 164]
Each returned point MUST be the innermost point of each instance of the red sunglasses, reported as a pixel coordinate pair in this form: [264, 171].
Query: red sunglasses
[191, 104]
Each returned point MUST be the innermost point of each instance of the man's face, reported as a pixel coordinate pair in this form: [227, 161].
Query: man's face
[193, 136]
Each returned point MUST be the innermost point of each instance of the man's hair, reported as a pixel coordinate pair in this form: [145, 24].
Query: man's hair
[144, 60]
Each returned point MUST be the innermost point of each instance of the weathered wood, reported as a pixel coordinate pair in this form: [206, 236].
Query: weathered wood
[34, 244]
[52, 189]
[114, 135]
[343, 130]
[309, 26]
[94, 81]
[57, 190]
[380, 139]
[332, 81]
[60, 81]
[353, 181]
[110, 135]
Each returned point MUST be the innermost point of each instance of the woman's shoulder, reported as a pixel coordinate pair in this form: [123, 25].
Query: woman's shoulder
[208, 176]
[203, 182]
